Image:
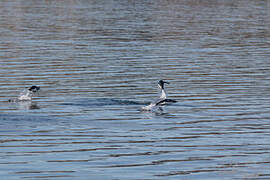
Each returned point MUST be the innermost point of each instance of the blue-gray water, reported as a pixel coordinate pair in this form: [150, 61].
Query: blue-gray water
[98, 63]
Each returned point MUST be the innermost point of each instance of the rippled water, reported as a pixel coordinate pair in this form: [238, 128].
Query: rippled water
[98, 62]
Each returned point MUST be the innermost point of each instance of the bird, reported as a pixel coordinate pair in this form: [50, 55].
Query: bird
[162, 100]
[29, 94]
[26, 96]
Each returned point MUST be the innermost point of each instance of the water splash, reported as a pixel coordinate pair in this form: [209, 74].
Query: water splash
[26, 94]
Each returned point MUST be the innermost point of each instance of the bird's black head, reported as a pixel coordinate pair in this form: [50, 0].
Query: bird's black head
[34, 89]
[161, 84]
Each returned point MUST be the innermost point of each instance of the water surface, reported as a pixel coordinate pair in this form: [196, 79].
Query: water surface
[98, 63]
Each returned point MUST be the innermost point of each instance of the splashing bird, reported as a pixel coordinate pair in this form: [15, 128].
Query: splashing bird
[26, 95]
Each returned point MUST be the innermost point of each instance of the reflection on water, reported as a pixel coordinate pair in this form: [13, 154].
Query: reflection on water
[25, 105]
[98, 63]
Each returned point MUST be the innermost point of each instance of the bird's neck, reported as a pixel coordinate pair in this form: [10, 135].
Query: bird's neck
[163, 94]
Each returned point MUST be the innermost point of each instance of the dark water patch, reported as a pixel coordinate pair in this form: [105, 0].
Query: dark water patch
[99, 102]
[75, 160]
[175, 173]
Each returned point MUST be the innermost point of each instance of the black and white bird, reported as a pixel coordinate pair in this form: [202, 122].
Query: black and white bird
[162, 100]
[29, 93]
[26, 95]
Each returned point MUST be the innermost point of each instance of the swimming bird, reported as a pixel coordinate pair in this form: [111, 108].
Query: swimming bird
[162, 100]
[26, 96]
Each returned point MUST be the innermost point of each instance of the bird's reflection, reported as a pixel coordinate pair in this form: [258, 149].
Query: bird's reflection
[27, 105]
